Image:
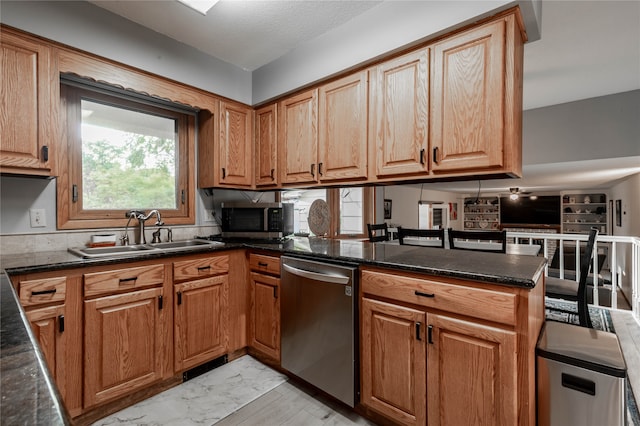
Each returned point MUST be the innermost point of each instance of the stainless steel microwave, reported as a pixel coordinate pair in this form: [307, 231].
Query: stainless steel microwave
[257, 220]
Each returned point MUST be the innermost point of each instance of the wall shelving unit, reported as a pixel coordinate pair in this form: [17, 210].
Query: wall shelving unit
[580, 212]
[482, 213]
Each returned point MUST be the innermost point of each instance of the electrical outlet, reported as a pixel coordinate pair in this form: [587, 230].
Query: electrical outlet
[38, 218]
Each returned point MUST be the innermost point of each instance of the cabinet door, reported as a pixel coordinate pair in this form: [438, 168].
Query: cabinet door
[298, 138]
[468, 100]
[265, 314]
[48, 327]
[266, 146]
[122, 344]
[402, 115]
[343, 133]
[26, 105]
[236, 145]
[394, 361]
[472, 374]
[201, 314]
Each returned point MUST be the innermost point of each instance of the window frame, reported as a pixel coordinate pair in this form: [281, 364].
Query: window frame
[333, 201]
[72, 215]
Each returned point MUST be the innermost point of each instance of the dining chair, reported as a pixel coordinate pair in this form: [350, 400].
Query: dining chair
[433, 234]
[499, 237]
[575, 291]
[378, 232]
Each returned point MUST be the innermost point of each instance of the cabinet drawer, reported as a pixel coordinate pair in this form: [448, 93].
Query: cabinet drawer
[457, 298]
[264, 264]
[119, 280]
[198, 268]
[39, 292]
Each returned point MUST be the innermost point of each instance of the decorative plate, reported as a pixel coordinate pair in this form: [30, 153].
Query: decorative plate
[483, 224]
[319, 217]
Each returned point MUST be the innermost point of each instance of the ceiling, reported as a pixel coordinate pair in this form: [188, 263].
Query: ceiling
[587, 49]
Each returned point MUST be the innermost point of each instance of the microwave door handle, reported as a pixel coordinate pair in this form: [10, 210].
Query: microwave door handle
[265, 225]
[316, 276]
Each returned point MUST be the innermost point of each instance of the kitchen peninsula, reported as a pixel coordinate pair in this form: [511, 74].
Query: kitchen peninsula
[496, 295]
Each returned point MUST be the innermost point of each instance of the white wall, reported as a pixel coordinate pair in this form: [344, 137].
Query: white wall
[87, 27]
[404, 211]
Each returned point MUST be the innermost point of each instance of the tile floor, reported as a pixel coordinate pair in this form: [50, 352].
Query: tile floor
[246, 392]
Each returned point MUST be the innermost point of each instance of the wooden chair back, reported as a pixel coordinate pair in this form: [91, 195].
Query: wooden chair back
[378, 232]
[434, 234]
[493, 236]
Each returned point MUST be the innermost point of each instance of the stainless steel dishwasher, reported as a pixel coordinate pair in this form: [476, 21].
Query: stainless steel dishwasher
[318, 325]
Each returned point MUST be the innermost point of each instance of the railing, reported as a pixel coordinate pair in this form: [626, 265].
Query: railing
[612, 244]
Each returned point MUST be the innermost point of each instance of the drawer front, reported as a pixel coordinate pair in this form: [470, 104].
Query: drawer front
[39, 292]
[264, 264]
[456, 298]
[120, 280]
[199, 268]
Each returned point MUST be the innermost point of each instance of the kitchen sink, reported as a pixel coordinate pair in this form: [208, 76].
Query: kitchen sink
[140, 249]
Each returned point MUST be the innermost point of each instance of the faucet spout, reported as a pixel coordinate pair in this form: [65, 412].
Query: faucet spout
[142, 218]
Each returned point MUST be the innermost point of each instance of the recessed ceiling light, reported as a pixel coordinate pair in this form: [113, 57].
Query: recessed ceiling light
[201, 6]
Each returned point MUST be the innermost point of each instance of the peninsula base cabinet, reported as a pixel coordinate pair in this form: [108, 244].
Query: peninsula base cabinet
[429, 357]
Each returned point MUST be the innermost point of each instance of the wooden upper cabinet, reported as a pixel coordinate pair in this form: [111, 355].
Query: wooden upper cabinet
[235, 153]
[298, 138]
[343, 132]
[476, 102]
[26, 106]
[401, 115]
[266, 146]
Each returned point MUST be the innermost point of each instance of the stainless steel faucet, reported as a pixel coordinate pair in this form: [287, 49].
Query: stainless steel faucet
[142, 218]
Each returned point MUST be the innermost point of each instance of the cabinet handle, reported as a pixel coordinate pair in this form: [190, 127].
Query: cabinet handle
[126, 280]
[74, 193]
[183, 197]
[436, 151]
[204, 268]
[275, 292]
[38, 293]
[418, 331]
[430, 334]
[263, 264]
[224, 173]
[273, 172]
[61, 323]
[422, 156]
[313, 170]
[45, 153]
[179, 298]
[421, 294]
[160, 302]
[320, 169]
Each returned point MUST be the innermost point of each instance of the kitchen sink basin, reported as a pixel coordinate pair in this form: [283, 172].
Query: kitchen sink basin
[179, 245]
[140, 249]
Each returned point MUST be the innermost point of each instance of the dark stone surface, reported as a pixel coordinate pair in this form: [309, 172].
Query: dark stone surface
[28, 395]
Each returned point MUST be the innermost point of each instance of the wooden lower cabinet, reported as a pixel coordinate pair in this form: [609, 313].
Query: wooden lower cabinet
[471, 376]
[265, 315]
[430, 356]
[200, 315]
[48, 328]
[394, 361]
[123, 344]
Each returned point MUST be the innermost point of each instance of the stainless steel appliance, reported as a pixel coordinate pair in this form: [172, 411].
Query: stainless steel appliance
[256, 220]
[581, 377]
[318, 323]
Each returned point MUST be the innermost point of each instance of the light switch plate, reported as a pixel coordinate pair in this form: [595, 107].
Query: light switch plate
[38, 218]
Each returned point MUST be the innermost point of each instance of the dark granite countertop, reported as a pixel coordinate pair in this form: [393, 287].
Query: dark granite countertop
[29, 395]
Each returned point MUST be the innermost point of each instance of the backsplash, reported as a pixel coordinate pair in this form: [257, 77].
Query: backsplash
[56, 241]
